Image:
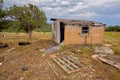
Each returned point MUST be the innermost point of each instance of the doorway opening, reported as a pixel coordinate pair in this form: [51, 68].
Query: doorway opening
[62, 30]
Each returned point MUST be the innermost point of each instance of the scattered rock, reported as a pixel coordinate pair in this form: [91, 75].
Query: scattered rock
[106, 50]
[53, 49]
[94, 57]
[76, 51]
[0, 63]
[42, 50]
[25, 68]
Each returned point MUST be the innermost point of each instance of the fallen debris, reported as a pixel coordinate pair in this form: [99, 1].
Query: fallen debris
[107, 45]
[2, 59]
[42, 50]
[102, 57]
[94, 57]
[53, 49]
[25, 68]
[10, 50]
[106, 50]
[2, 45]
[53, 55]
[77, 51]
[112, 63]
[69, 64]
[23, 43]
[51, 67]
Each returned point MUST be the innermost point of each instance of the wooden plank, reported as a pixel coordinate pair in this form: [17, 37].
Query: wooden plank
[76, 62]
[70, 63]
[51, 67]
[61, 65]
[10, 50]
[115, 64]
[73, 71]
[65, 64]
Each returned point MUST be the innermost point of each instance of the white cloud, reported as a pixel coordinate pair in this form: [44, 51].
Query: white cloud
[76, 9]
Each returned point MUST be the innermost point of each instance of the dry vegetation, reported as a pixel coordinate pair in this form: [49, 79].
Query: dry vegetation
[37, 62]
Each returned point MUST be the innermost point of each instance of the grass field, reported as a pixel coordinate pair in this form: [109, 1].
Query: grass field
[113, 38]
[35, 60]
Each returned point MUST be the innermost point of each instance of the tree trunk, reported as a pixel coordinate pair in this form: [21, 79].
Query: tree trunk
[30, 35]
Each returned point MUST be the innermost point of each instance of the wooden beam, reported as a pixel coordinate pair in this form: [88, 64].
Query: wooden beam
[115, 64]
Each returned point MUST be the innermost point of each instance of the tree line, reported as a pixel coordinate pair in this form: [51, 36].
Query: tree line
[113, 28]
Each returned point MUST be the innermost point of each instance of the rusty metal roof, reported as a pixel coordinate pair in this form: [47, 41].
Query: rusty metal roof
[78, 22]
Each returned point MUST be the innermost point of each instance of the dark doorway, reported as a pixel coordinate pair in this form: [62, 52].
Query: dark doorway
[62, 28]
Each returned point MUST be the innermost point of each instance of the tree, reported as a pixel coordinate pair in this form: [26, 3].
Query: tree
[2, 15]
[29, 16]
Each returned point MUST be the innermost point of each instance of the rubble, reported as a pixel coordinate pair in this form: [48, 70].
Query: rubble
[77, 51]
[25, 68]
[110, 62]
[106, 50]
[53, 49]
[2, 45]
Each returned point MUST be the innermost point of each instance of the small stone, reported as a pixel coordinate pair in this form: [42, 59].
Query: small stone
[42, 50]
[22, 78]
[25, 68]
[0, 64]
[94, 57]
[43, 55]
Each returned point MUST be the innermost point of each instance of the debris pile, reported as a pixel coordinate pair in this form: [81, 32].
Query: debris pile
[106, 56]
[53, 49]
[23, 43]
[106, 50]
[2, 45]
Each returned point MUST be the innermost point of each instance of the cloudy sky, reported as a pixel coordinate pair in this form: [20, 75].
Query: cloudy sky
[106, 11]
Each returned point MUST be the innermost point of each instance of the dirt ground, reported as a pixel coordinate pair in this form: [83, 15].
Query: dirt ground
[42, 67]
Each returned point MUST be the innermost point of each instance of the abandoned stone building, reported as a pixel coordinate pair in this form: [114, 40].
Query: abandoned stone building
[77, 32]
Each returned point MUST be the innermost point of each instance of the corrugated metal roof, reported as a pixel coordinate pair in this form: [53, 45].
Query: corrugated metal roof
[78, 22]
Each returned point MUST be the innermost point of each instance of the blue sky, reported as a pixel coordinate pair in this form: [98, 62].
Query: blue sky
[105, 11]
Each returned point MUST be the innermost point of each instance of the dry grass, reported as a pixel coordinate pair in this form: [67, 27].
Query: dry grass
[38, 69]
[114, 39]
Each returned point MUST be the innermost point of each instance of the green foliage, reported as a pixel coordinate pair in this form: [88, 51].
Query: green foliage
[3, 13]
[45, 28]
[12, 26]
[113, 28]
[30, 17]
